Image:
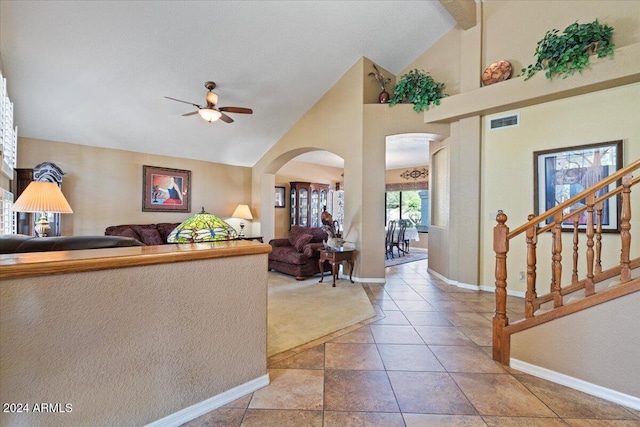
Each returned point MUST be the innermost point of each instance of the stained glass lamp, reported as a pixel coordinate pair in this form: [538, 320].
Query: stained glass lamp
[202, 227]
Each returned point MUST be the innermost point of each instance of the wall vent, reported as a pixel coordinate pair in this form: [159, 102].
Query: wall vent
[505, 122]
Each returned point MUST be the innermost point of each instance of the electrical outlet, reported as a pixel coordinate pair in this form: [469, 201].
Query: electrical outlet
[521, 276]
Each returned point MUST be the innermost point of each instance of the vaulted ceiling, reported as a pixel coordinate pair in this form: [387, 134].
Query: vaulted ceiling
[96, 72]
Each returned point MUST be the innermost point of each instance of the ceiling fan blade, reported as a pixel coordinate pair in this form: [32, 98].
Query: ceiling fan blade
[225, 118]
[240, 110]
[191, 113]
[186, 102]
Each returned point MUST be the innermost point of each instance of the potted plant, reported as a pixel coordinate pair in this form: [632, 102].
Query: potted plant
[383, 81]
[564, 54]
[419, 88]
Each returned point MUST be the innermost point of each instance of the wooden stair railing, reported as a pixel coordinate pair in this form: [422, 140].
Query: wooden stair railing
[594, 273]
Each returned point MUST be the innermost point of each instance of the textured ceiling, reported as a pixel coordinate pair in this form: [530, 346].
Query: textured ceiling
[96, 72]
[402, 151]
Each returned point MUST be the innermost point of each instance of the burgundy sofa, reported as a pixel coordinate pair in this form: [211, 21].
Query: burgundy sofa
[298, 254]
[149, 234]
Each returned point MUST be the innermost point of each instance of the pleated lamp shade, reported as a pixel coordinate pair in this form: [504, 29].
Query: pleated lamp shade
[42, 196]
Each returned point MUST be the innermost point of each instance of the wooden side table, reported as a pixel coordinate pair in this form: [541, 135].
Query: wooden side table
[335, 258]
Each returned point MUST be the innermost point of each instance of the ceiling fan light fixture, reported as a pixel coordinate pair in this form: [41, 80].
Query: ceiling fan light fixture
[212, 98]
[209, 115]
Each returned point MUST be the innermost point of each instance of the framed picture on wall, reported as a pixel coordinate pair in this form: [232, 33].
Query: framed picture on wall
[560, 174]
[279, 197]
[165, 190]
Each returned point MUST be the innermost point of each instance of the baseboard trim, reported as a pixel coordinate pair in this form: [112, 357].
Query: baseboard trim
[576, 384]
[474, 287]
[454, 282]
[441, 277]
[365, 279]
[468, 286]
[199, 409]
[511, 293]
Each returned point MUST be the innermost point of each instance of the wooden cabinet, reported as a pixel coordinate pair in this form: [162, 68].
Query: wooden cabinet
[308, 200]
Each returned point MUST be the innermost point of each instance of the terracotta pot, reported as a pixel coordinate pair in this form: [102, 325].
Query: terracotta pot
[383, 97]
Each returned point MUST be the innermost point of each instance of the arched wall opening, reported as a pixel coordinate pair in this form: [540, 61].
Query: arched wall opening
[407, 173]
[305, 165]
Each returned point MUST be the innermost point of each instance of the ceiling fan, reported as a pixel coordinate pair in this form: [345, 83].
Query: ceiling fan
[209, 112]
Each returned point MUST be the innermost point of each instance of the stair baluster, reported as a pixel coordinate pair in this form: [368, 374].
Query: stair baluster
[625, 229]
[589, 285]
[532, 241]
[576, 223]
[599, 206]
[556, 261]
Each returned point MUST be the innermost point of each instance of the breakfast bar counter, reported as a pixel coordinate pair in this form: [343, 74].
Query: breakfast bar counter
[132, 336]
[57, 262]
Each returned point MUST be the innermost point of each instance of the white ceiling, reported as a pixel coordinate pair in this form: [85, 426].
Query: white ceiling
[96, 72]
[402, 151]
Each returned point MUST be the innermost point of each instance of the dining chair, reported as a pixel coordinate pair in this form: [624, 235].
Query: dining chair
[388, 241]
[398, 239]
[405, 242]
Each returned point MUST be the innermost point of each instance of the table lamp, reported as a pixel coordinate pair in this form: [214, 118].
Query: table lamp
[42, 197]
[243, 212]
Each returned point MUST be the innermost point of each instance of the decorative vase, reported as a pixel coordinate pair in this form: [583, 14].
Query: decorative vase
[383, 97]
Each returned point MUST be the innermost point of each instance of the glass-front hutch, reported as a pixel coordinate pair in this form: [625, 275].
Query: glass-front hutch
[308, 200]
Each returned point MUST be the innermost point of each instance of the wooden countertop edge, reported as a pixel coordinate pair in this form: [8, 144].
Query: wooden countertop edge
[61, 262]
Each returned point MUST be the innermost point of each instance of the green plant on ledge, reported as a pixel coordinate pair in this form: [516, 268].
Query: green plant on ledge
[419, 88]
[564, 54]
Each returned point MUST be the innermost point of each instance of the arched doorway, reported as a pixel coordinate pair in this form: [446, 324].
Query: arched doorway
[309, 164]
[407, 184]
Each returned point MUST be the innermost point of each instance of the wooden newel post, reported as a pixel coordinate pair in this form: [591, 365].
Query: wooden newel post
[500, 319]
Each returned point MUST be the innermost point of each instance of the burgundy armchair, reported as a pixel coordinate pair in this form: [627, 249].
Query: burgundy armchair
[298, 254]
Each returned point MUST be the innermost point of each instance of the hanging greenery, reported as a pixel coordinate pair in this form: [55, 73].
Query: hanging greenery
[419, 88]
[564, 54]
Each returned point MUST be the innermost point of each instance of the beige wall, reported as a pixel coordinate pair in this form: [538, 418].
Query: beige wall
[512, 28]
[392, 176]
[381, 121]
[130, 346]
[104, 186]
[304, 172]
[442, 61]
[333, 124]
[599, 345]
[506, 31]
[508, 174]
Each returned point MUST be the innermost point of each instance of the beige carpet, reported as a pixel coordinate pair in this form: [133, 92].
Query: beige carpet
[299, 312]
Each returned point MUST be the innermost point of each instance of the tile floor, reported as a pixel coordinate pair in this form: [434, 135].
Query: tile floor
[425, 360]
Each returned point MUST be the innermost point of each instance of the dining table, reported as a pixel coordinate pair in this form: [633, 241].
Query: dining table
[410, 233]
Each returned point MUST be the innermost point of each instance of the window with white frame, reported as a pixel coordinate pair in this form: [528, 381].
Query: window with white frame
[8, 133]
[7, 222]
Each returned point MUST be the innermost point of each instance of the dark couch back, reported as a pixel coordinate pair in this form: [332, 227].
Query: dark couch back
[19, 243]
[149, 234]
